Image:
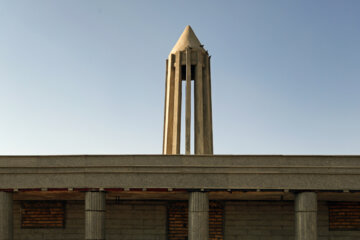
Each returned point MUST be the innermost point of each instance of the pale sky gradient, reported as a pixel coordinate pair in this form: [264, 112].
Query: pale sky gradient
[88, 77]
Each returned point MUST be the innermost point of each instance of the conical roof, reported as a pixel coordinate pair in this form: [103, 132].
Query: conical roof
[187, 39]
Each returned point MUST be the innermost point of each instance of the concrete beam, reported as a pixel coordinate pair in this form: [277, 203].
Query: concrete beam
[182, 172]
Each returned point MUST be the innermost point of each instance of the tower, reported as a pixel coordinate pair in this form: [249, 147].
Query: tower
[188, 61]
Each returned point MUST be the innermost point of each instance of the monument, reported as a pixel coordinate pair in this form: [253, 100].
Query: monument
[188, 61]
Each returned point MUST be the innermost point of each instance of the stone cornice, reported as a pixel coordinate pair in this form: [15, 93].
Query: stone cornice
[181, 172]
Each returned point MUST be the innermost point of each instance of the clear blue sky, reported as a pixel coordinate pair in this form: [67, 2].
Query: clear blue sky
[88, 77]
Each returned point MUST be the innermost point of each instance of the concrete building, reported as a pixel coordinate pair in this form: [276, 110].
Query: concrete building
[171, 196]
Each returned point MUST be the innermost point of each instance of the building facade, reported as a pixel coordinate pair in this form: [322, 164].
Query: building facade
[194, 196]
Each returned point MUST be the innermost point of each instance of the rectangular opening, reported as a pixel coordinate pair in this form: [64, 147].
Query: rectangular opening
[192, 127]
[183, 117]
[183, 72]
[183, 126]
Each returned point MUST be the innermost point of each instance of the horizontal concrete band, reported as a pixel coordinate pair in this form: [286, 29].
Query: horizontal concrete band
[182, 172]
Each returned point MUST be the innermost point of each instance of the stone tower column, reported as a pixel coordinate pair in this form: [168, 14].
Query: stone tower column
[306, 216]
[95, 215]
[188, 61]
[198, 216]
[6, 216]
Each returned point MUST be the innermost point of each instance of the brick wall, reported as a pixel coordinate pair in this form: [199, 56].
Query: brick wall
[43, 214]
[323, 225]
[344, 216]
[147, 220]
[178, 220]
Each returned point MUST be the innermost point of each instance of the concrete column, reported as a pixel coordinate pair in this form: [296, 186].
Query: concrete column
[198, 216]
[177, 105]
[6, 216]
[200, 105]
[208, 129]
[95, 215]
[306, 216]
[188, 103]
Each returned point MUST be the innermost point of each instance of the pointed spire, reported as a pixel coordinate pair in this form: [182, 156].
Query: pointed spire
[187, 39]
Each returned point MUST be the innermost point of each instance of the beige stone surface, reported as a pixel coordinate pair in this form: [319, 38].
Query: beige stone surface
[187, 39]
